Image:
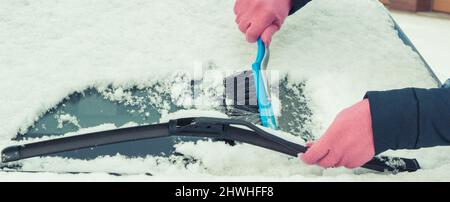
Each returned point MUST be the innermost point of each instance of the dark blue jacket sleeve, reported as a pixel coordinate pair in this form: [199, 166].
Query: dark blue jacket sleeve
[410, 118]
[297, 4]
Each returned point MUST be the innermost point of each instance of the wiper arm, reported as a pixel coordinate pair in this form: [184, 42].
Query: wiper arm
[202, 127]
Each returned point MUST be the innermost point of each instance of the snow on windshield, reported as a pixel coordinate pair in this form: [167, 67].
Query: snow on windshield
[340, 49]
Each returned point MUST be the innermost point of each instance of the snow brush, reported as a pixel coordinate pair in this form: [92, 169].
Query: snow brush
[228, 130]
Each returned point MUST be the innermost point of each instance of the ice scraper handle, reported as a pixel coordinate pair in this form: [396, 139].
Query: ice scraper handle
[267, 115]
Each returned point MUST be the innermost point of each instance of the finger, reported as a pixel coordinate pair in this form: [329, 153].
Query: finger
[309, 144]
[238, 18]
[243, 26]
[236, 7]
[328, 161]
[242, 17]
[266, 36]
[240, 5]
[314, 154]
[257, 28]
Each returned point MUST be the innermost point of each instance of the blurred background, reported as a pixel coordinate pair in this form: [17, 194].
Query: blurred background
[427, 23]
[419, 5]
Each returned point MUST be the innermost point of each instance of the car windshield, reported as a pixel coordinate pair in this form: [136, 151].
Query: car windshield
[109, 108]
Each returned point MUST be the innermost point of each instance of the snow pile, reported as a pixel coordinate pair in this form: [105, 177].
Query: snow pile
[427, 34]
[67, 119]
[340, 49]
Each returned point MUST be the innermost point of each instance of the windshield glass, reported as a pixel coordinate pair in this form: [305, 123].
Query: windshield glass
[96, 110]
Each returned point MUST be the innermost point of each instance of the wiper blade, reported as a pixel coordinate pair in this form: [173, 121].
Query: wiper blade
[202, 127]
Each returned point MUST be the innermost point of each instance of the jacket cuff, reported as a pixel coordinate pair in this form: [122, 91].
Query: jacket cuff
[297, 4]
[395, 117]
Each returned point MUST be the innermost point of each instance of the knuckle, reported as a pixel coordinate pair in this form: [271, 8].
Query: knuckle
[265, 8]
[251, 36]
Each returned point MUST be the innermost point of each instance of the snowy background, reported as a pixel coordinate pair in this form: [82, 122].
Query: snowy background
[50, 49]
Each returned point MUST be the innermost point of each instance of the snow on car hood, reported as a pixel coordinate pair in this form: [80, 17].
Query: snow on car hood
[340, 49]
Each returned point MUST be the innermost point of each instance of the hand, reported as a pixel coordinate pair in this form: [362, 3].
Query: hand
[348, 142]
[261, 18]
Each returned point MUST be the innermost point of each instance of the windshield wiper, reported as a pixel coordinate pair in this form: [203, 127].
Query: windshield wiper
[202, 127]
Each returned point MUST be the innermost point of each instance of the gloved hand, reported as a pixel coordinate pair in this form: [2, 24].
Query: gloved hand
[348, 141]
[261, 18]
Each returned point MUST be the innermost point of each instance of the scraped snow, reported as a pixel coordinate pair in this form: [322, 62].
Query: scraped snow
[340, 49]
[67, 119]
[191, 113]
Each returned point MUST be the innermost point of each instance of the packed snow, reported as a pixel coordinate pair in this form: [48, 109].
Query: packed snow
[429, 36]
[50, 49]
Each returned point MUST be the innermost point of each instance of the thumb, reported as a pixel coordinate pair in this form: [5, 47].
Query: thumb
[266, 36]
[314, 154]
